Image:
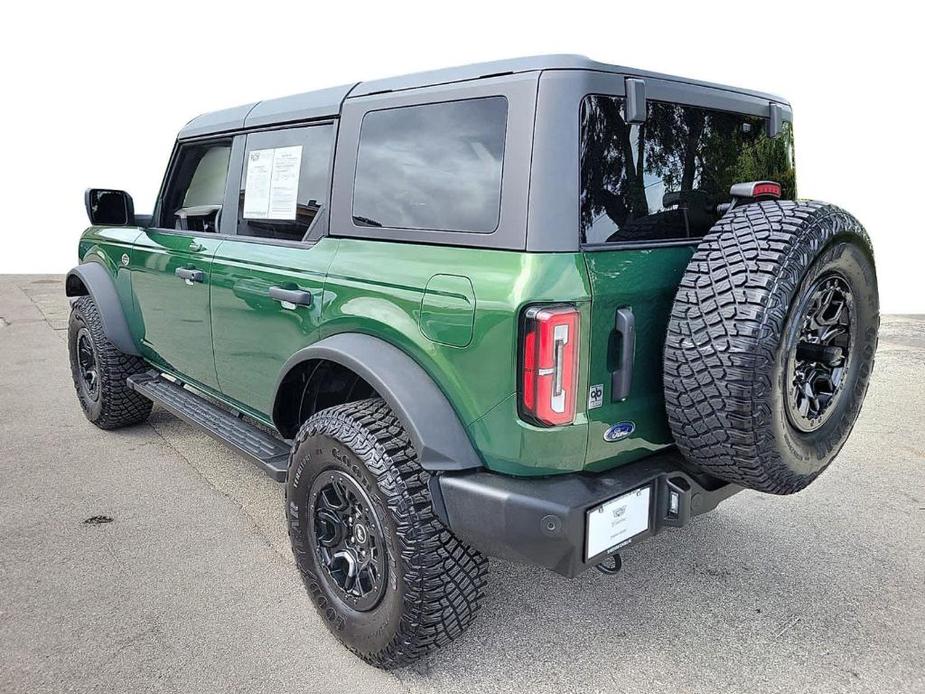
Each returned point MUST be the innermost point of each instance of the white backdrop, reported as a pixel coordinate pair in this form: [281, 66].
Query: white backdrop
[94, 92]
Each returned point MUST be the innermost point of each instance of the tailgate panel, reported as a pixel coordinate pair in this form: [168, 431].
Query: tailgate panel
[646, 282]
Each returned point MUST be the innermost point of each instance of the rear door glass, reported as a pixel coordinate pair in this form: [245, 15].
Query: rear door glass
[662, 180]
[284, 182]
[432, 166]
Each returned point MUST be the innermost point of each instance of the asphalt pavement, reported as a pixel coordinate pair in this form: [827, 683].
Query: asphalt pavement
[154, 559]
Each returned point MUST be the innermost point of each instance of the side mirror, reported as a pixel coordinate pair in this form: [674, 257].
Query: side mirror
[109, 207]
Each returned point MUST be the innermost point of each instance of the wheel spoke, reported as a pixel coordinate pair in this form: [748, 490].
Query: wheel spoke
[331, 499]
[831, 333]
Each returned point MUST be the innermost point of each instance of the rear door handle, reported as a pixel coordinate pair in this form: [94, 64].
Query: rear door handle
[190, 275]
[622, 379]
[292, 296]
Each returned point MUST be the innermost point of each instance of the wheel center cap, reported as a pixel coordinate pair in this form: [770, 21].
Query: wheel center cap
[360, 533]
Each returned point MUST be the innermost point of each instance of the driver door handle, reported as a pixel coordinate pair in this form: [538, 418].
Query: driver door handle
[292, 296]
[190, 275]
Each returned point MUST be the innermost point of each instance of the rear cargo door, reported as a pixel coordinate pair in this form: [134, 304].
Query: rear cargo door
[631, 296]
[649, 191]
[636, 240]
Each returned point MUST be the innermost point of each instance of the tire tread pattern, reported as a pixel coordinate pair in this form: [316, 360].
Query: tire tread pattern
[444, 579]
[121, 406]
[724, 331]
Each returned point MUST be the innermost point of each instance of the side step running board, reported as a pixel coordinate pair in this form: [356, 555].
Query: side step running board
[269, 452]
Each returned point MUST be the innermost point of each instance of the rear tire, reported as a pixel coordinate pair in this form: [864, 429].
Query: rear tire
[771, 343]
[388, 579]
[100, 371]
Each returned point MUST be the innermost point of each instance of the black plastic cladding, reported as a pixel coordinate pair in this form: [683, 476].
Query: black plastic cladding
[439, 439]
[542, 521]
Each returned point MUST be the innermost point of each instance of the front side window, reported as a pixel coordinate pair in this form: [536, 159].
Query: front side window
[663, 179]
[194, 197]
[433, 166]
[284, 182]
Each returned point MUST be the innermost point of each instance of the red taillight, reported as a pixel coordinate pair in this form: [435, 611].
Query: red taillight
[549, 376]
[766, 189]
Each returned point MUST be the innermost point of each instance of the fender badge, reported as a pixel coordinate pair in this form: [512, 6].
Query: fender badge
[619, 431]
[125, 259]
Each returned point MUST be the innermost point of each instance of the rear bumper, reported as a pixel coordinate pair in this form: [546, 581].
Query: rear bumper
[542, 521]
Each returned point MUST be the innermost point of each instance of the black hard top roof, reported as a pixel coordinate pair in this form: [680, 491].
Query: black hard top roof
[327, 102]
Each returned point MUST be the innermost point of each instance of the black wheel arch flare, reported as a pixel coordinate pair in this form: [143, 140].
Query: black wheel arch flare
[438, 436]
[93, 279]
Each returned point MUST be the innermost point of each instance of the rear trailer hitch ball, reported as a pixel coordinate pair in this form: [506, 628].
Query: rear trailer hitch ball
[610, 566]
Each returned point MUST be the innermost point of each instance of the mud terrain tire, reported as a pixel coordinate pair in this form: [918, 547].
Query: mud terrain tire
[100, 371]
[359, 456]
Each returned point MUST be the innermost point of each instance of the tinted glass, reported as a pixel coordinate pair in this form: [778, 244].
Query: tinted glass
[435, 166]
[663, 179]
[284, 182]
[196, 192]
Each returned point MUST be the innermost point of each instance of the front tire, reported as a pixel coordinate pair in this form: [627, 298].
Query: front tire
[100, 371]
[388, 579]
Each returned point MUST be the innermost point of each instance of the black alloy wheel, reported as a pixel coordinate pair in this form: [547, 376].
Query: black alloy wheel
[349, 541]
[818, 362]
[388, 579]
[86, 365]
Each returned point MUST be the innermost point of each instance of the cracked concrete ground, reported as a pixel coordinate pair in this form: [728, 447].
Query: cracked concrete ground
[191, 588]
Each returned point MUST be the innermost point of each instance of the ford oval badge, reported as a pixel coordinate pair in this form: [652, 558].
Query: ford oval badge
[619, 431]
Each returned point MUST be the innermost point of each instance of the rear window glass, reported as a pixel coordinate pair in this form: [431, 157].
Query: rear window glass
[434, 166]
[662, 180]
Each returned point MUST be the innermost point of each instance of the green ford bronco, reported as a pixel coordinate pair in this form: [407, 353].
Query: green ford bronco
[538, 309]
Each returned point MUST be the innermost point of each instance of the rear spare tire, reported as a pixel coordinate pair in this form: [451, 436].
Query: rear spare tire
[771, 343]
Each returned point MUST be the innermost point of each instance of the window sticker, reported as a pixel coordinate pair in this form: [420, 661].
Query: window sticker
[272, 183]
[257, 183]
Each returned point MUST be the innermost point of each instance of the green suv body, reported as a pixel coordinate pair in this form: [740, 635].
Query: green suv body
[230, 339]
[477, 269]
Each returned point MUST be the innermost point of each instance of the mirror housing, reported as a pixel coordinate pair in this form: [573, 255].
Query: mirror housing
[106, 207]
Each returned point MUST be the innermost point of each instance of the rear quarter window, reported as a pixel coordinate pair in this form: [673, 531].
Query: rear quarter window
[432, 166]
[662, 180]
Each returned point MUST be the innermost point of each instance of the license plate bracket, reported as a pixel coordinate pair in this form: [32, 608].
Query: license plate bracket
[617, 521]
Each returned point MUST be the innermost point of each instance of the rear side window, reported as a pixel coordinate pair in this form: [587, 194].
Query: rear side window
[662, 180]
[284, 182]
[434, 166]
